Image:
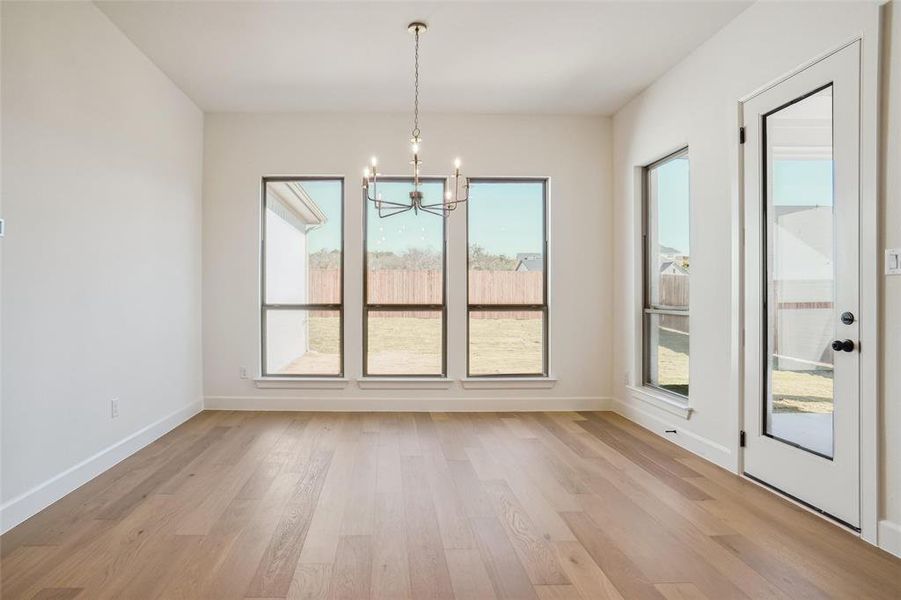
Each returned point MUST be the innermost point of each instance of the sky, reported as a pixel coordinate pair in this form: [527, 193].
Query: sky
[802, 183]
[504, 218]
[673, 204]
[507, 218]
[327, 195]
[795, 183]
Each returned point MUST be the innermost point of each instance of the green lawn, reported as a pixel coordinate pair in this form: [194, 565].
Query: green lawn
[793, 391]
[412, 345]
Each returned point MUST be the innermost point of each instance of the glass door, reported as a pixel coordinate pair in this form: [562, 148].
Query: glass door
[801, 195]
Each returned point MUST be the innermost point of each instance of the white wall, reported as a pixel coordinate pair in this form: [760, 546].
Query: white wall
[101, 194]
[696, 104]
[572, 151]
[891, 333]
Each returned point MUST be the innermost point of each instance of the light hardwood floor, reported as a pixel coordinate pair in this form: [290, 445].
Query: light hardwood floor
[529, 505]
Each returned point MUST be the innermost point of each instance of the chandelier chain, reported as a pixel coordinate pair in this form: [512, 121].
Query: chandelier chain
[416, 88]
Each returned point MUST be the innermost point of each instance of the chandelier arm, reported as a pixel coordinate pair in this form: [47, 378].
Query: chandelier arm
[394, 211]
[376, 201]
[439, 213]
[443, 204]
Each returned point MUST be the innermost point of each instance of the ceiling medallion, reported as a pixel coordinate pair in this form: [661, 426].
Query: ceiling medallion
[457, 192]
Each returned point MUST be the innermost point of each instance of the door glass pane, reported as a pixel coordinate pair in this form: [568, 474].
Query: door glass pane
[303, 342]
[404, 342]
[405, 252]
[801, 278]
[667, 343]
[508, 342]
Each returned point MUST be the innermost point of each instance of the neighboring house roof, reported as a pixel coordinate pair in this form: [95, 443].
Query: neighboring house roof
[673, 268]
[530, 264]
[294, 204]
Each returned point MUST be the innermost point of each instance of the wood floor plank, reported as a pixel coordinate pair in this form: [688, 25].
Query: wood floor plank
[352, 573]
[535, 553]
[507, 574]
[276, 568]
[585, 574]
[449, 506]
[239, 562]
[625, 575]
[680, 591]
[429, 575]
[660, 555]
[390, 563]
[558, 592]
[468, 574]
[311, 582]
[359, 508]
[236, 505]
[124, 504]
[58, 594]
[322, 539]
[781, 574]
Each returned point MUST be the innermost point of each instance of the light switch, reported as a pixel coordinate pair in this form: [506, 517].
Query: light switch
[893, 261]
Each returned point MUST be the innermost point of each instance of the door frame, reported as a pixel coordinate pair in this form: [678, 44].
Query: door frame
[869, 269]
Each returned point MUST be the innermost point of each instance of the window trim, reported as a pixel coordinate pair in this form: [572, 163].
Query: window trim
[544, 307]
[265, 307]
[387, 307]
[647, 308]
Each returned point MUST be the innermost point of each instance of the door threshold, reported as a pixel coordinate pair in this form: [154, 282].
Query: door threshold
[810, 507]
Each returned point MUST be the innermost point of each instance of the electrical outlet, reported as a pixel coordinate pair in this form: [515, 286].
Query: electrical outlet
[244, 373]
[626, 378]
[114, 408]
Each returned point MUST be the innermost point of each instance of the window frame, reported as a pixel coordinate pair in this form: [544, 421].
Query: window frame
[545, 304]
[266, 307]
[647, 309]
[386, 307]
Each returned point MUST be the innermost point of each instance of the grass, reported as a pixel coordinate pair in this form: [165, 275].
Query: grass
[793, 391]
[412, 345]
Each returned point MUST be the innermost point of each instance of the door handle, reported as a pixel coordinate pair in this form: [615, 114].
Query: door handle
[843, 345]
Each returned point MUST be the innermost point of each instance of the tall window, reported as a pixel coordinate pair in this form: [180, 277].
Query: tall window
[667, 265]
[302, 270]
[507, 279]
[404, 312]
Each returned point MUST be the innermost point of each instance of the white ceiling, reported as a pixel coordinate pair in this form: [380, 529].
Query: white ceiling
[482, 57]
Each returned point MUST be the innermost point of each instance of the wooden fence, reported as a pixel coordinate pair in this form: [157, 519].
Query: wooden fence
[425, 287]
[485, 287]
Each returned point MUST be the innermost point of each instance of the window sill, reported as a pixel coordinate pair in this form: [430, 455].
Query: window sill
[508, 383]
[661, 400]
[404, 383]
[306, 383]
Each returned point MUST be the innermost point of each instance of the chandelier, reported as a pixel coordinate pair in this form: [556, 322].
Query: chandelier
[459, 189]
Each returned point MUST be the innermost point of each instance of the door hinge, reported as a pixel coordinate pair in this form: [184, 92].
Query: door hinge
[741, 135]
[741, 438]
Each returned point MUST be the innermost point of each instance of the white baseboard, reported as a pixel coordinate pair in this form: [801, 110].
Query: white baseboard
[29, 503]
[705, 448]
[414, 404]
[890, 537]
